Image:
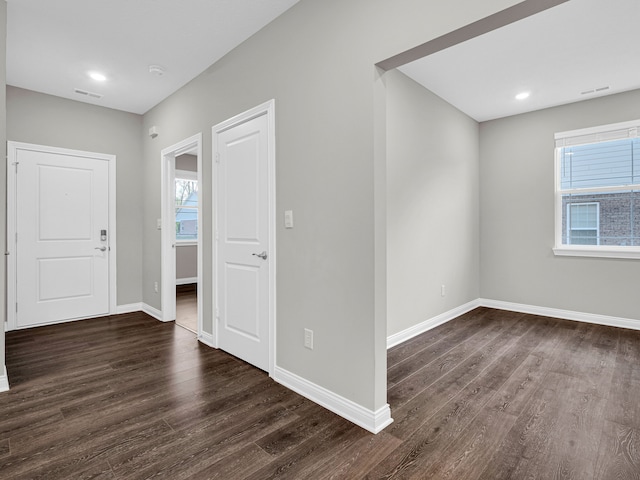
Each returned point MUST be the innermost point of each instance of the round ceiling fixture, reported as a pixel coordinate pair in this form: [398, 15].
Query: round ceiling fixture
[156, 70]
[97, 76]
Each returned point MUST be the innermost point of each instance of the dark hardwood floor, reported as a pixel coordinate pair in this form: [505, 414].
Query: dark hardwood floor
[489, 395]
[187, 306]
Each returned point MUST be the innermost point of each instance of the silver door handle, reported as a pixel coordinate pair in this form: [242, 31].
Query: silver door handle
[102, 248]
[262, 255]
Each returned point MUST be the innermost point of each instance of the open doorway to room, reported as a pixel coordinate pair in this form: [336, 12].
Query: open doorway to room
[186, 215]
[181, 238]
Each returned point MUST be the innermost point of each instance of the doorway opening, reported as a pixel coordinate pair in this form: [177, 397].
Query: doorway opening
[181, 268]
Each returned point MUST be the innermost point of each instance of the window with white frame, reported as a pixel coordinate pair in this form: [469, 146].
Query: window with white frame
[598, 191]
[186, 192]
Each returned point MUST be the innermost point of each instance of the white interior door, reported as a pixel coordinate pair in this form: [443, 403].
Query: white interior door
[62, 242]
[243, 250]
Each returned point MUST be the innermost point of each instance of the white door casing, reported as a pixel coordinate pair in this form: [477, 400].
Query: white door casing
[168, 155]
[60, 266]
[244, 260]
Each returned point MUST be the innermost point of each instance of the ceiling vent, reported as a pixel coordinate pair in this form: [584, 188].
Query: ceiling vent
[87, 94]
[595, 90]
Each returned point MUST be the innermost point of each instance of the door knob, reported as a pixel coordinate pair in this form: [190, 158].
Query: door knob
[262, 255]
[101, 248]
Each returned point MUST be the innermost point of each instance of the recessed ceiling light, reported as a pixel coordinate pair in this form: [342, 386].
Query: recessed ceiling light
[522, 95]
[97, 76]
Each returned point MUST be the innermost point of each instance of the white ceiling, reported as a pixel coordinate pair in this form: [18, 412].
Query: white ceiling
[53, 44]
[575, 47]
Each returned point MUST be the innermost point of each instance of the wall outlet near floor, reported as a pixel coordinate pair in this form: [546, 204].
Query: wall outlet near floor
[442, 290]
[308, 338]
[155, 287]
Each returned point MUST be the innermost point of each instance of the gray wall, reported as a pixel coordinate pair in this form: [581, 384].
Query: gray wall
[432, 205]
[186, 261]
[517, 215]
[47, 120]
[187, 162]
[317, 61]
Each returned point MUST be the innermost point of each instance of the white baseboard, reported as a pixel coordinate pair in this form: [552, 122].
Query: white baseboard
[152, 311]
[129, 308]
[404, 335]
[564, 314]
[4, 380]
[186, 281]
[369, 420]
[207, 339]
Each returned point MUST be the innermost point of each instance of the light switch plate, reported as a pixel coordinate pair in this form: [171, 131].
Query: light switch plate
[288, 219]
[308, 338]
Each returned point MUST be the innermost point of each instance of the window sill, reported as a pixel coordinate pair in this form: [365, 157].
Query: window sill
[186, 243]
[599, 252]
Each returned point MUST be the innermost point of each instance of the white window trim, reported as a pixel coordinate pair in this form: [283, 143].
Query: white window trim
[186, 175]
[597, 251]
[584, 136]
[186, 243]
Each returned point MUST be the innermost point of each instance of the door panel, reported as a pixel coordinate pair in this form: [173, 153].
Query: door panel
[242, 287]
[63, 210]
[62, 265]
[76, 281]
[241, 183]
[242, 208]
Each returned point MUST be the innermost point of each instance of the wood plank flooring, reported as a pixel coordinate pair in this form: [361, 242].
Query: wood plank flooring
[187, 306]
[489, 395]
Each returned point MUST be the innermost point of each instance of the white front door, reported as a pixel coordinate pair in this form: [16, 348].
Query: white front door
[62, 241]
[243, 250]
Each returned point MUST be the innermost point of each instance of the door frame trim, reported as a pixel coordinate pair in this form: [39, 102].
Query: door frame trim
[268, 109]
[168, 263]
[12, 214]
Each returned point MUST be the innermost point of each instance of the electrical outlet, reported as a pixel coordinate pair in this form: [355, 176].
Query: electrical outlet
[308, 338]
[442, 290]
[155, 287]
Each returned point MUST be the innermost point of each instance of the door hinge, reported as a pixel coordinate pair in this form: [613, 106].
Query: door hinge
[15, 164]
[217, 313]
[217, 157]
[16, 307]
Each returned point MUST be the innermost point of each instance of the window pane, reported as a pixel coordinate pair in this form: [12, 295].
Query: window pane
[186, 192]
[614, 217]
[584, 215]
[602, 164]
[584, 237]
[187, 213]
[186, 224]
